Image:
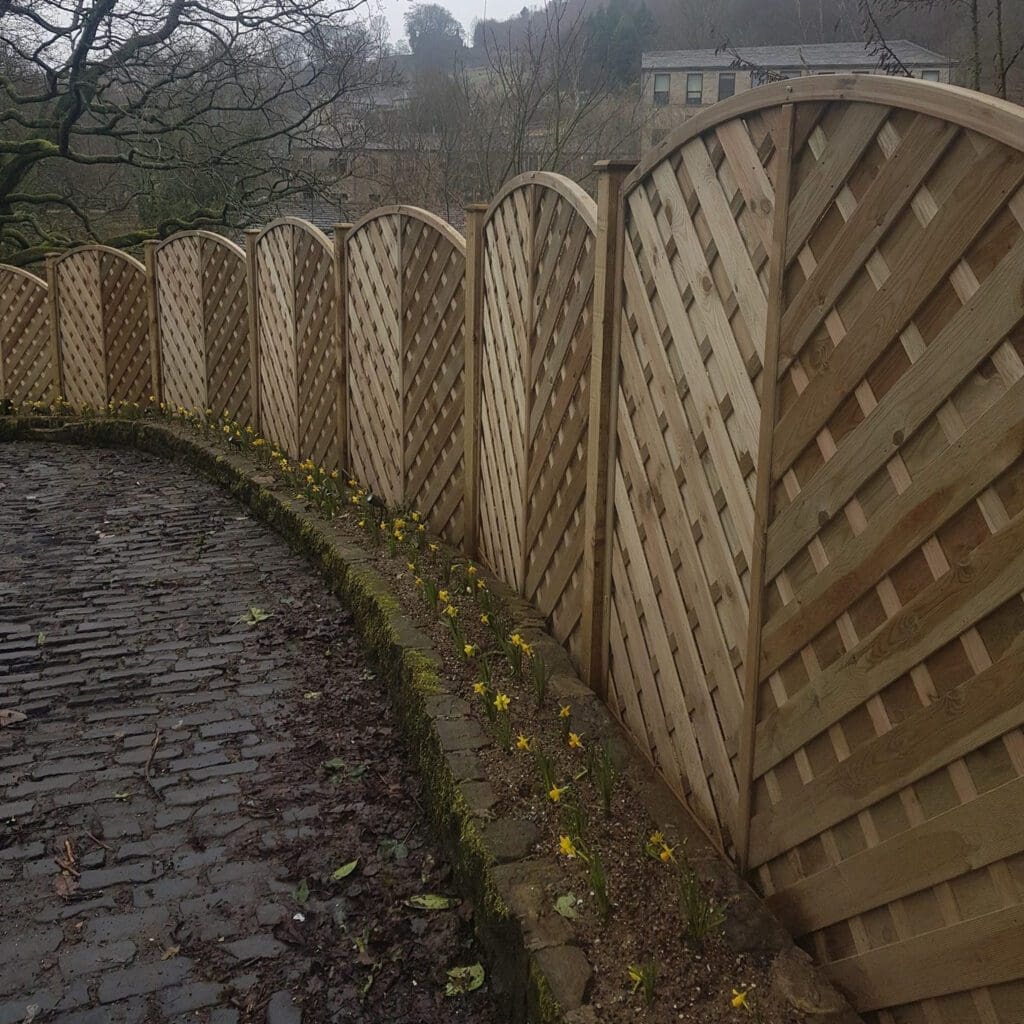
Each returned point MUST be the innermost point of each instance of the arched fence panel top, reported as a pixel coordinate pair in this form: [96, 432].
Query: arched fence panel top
[203, 235]
[202, 311]
[103, 326]
[569, 190]
[997, 119]
[299, 361]
[413, 213]
[300, 225]
[406, 328]
[538, 274]
[28, 365]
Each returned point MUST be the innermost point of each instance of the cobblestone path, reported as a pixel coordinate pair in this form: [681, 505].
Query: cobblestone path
[168, 824]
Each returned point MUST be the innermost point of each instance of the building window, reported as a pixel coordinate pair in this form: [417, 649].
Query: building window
[726, 86]
[930, 76]
[661, 84]
[694, 88]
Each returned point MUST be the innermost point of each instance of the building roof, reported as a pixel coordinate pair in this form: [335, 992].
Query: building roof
[797, 56]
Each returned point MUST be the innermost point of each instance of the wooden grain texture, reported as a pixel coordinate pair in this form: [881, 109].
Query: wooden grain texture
[296, 324]
[694, 320]
[28, 370]
[406, 324]
[203, 324]
[103, 326]
[888, 704]
[538, 257]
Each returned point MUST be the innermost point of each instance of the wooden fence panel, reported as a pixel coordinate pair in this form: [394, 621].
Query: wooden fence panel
[226, 327]
[28, 372]
[202, 312]
[103, 325]
[538, 295]
[125, 327]
[697, 233]
[297, 345]
[180, 316]
[889, 698]
[433, 261]
[80, 327]
[374, 352]
[406, 330]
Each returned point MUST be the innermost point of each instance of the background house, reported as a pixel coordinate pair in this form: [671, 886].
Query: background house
[676, 84]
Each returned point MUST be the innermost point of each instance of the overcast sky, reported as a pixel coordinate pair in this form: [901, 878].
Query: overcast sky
[467, 11]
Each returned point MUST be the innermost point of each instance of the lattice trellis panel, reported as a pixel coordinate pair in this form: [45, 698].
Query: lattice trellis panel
[698, 229]
[204, 355]
[297, 340]
[374, 354]
[406, 332]
[125, 327]
[104, 326]
[225, 320]
[889, 758]
[316, 347]
[80, 322]
[538, 297]
[182, 341]
[433, 261]
[27, 369]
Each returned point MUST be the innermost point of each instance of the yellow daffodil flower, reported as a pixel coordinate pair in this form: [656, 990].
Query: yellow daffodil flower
[442, 596]
[479, 689]
[555, 793]
[522, 742]
[502, 701]
[565, 711]
[566, 847]
[451, 611]
[739, 999]
[575, 742]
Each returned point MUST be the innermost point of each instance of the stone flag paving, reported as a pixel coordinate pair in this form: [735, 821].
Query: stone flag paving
[138, 872]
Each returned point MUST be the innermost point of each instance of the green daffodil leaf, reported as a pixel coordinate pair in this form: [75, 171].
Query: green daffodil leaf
[464, 979]
[344, 871]
[430, 901]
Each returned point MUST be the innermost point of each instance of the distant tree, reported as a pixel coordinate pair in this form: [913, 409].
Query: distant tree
[435, 35]
[122, 120]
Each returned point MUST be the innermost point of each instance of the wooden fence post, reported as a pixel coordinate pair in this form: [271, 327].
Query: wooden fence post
[762, 496]
[604, 384]
[152, 309]
[252, 297]
[53, 300]
[341, 339]
[472, 386]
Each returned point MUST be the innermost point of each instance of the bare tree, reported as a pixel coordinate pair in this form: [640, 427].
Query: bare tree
[990, 33]
[168, 115]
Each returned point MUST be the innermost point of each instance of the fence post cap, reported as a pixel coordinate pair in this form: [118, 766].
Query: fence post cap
[623, 164]
[475, 207]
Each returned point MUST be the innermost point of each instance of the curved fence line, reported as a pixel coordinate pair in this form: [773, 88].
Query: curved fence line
[749, 431]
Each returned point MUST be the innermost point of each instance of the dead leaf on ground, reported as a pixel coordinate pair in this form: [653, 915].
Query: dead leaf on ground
[65, 886]
[9, 717]
[169, 952]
